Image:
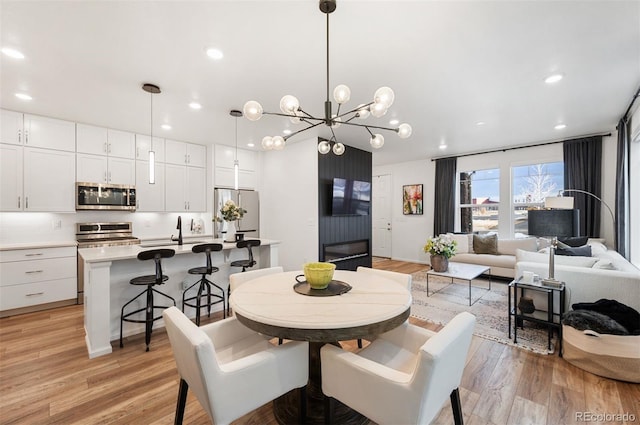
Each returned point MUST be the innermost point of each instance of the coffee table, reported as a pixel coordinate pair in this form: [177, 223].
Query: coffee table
[460, 271]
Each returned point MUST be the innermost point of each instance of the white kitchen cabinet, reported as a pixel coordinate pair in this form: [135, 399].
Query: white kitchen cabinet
[91, 139]
[49, 180]
[50, 133]
[11, 127]
[185, 188]
[121, 144]
[105, 141]
[11, 196]
[149, 197]
[144, 144]
[185, 153]
[33, 279]
[104, 169]
[36, 179]
[223, 175]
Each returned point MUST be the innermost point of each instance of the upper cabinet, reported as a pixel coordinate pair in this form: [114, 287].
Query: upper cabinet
[144, 144]
[223, 175]
[182, 153]
[36, 131]
[105, 141]
[11, 127]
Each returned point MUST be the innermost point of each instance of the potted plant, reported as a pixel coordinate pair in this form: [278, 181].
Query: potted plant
[441, 248]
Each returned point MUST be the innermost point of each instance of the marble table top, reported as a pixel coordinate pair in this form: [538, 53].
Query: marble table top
[271, 300]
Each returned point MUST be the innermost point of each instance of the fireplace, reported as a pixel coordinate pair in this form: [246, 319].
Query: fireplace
[346, 251]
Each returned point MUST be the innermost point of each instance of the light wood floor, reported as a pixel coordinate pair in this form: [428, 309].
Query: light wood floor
[46, 378]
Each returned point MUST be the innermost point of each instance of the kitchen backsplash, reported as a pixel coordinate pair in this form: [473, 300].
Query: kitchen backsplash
[56, 227]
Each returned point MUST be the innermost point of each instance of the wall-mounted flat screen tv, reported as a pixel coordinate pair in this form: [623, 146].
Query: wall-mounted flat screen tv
[350, 197]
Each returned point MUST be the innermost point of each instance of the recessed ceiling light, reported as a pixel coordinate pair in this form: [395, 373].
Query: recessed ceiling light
[166, 127]
[442, 146]
[195, 105]
[251, 145]
[480, 123]
[215, 54]
[560, 126]
[287, 131]
[12, 53]
[553, 78]
[394, 122]
[23, 96]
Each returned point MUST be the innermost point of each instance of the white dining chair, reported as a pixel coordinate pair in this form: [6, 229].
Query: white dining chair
[238, 279]
[231, 369]
[403, 377]
[402, 278]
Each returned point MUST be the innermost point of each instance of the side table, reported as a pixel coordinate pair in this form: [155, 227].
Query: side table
[546, 317]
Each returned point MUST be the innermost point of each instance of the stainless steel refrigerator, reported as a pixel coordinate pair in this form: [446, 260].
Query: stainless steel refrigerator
[249, 224]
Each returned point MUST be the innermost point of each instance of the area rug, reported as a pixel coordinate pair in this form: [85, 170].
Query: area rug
[490, 307]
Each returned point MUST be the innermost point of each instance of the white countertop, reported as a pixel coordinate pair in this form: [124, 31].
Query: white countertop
[112, 253]
[271, 300]
[35, 245]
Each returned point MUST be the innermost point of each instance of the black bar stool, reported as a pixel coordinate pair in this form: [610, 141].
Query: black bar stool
[150, 281]
[245, 264]
[204, 290]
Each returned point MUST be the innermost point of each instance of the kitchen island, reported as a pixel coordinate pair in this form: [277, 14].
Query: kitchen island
[107, 271]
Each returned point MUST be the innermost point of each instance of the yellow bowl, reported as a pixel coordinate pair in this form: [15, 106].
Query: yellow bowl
[319, 275]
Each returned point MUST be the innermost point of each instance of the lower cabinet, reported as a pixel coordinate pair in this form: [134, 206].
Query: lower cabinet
[37, 278]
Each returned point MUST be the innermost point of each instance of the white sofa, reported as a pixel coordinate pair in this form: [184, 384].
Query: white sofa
[503, 264]
[606, 274]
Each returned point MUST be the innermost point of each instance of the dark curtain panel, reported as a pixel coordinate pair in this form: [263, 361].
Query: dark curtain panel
[445, 196]
[621, 232]
[583, 171]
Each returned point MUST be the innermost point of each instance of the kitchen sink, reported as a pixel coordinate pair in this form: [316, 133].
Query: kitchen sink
[172, 243]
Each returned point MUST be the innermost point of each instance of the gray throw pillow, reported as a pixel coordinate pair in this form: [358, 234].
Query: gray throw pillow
[485, 244]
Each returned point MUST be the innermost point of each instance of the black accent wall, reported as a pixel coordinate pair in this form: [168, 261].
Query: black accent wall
[353, 164]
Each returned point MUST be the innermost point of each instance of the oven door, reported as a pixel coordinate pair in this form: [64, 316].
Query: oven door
[95, 196]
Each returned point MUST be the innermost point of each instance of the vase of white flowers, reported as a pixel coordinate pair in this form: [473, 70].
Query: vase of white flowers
[230, 213]
[441, 249]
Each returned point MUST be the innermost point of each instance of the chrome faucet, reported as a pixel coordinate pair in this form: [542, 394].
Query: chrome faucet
[179, 227]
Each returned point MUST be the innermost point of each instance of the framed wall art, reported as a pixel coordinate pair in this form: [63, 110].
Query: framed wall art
[412, 199]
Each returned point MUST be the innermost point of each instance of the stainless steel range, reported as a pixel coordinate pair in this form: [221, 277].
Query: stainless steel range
[96, 235]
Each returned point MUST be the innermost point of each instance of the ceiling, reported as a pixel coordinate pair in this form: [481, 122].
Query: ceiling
[451, 64]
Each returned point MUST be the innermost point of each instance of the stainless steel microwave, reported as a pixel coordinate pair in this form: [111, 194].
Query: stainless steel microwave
[98, 196]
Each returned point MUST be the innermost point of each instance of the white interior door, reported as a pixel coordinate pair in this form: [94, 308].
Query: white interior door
[381, 215]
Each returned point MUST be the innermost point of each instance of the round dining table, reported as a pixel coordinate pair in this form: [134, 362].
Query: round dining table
[270, 305]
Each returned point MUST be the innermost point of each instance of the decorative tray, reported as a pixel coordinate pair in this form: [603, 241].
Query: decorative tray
[336, 287]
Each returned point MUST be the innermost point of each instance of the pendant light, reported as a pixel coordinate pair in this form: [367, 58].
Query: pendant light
[151, 89]
[236, 166]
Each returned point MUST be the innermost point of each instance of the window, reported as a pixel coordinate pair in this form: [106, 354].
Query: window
[479, 200]
[531, 184]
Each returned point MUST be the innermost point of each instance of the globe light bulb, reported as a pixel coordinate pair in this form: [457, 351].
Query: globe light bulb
[363, 112]
[289, 104]
[385, 96]
[404, 130]
[338, 149]
[278, 143]
[342, 94]
[378, 110]
[252, 110]
[377, 141]
[324, 147]
[267, 143]
[335, 121]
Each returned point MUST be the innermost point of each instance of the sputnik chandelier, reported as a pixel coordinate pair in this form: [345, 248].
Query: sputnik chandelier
[290, 107]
